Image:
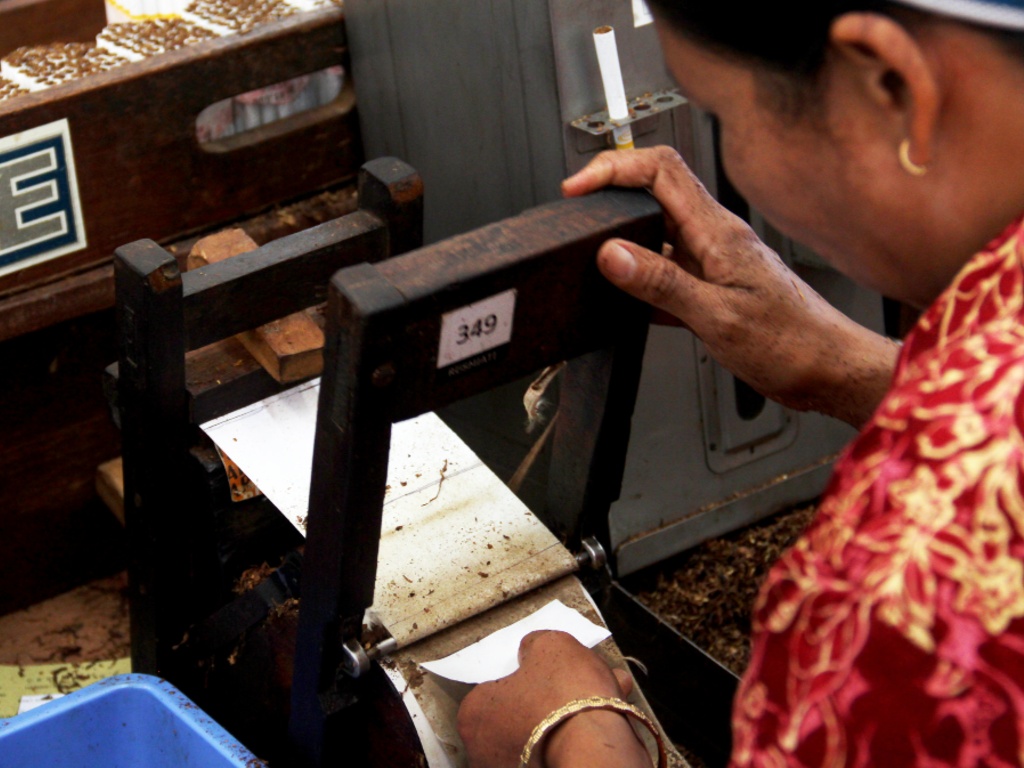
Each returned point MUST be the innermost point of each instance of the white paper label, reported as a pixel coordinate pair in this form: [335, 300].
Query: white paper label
[476, 328]
[642, 15]
[40, 213]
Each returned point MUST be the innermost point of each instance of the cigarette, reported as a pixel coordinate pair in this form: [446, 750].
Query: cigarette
[614, 91]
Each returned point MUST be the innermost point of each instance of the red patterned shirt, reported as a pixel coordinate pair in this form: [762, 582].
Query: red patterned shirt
[892, 633]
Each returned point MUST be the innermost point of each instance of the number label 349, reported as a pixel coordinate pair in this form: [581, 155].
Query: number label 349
[484, 326]
[476, 328]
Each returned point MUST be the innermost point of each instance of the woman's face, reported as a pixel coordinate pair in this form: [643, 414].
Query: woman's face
[817, 174]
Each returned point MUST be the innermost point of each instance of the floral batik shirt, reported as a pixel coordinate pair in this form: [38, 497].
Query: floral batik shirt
[892, 633]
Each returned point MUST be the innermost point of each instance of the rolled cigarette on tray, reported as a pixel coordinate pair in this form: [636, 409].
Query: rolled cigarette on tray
[614, 91]
[139, 29]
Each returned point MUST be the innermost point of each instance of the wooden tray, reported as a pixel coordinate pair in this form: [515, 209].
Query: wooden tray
[141, 171]
[37, 22]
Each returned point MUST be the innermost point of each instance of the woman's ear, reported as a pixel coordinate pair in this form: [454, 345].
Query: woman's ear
[892, 71]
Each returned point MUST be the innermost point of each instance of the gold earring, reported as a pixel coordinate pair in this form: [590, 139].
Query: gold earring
[909, 165]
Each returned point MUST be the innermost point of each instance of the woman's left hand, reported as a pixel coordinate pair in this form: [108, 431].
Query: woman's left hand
[496, 719]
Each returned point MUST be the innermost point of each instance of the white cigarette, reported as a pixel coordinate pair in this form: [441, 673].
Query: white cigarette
[611, 74]
[614, 90]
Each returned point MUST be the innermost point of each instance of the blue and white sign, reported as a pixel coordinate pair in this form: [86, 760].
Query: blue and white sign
[40, 214]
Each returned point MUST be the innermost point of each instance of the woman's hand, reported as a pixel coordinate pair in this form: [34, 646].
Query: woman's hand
[496, 719]
[756, 317]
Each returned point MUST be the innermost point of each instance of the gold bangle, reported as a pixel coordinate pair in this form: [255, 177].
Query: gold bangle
[562, 714]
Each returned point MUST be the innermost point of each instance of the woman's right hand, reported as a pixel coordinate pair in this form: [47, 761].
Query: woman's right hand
[756, 317]
[496, 719]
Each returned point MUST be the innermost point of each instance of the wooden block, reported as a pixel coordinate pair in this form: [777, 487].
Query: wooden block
[219, 246]
[110, 486]
[289, 349]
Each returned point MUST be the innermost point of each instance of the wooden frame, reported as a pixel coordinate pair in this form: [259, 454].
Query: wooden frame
[374, 376]
[384, 323]
[141, 170]
[161, 314]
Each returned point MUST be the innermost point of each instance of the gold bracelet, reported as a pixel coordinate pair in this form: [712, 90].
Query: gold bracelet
[562, 714]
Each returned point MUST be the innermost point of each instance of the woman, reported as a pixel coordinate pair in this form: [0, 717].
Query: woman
[887, 136]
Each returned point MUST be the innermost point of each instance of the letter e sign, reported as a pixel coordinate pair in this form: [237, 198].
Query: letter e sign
[40, 214]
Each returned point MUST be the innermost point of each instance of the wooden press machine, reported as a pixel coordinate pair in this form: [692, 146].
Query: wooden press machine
[395, 318]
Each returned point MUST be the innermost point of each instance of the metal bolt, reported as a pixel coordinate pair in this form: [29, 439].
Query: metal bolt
[593, 554]
[354, 661]
[170, 271]
[383, 648]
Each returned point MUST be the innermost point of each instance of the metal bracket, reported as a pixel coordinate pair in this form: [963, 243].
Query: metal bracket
[356, 660]
[593, 554]
[647, 105]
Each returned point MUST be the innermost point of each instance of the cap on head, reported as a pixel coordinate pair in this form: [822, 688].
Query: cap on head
[1006, 14]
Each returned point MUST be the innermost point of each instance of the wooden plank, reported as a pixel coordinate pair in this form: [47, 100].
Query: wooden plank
[289, 349]
[253, 288]
[219, 246]
[291, 274]
[154, 426]
[222, 375]
[56, 429]
[219, 377]
[110, 486]
[80, 294]
[52, 303]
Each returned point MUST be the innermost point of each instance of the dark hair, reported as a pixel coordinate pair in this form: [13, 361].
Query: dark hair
[789, 38]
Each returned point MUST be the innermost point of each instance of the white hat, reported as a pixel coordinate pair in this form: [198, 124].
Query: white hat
[1008, 14]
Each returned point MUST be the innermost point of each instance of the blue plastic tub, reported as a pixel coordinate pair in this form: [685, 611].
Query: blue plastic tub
[126, 721]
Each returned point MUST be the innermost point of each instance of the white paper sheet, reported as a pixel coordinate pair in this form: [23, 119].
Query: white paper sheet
[497, 655]
[34, 700]
[272, 441]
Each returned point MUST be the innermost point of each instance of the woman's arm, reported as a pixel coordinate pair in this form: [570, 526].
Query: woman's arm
[496, 719]
[756, 317]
